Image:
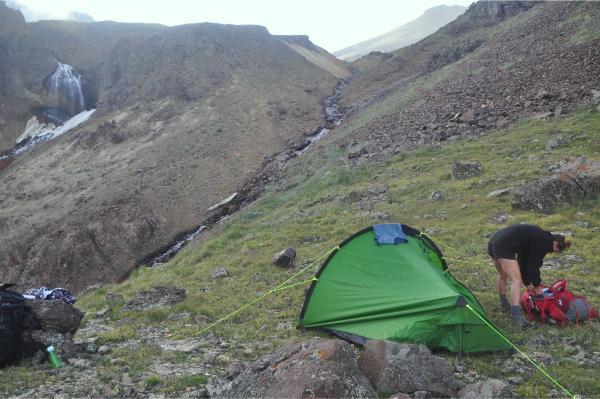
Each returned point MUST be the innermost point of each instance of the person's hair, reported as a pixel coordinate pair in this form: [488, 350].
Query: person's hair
[562, 241]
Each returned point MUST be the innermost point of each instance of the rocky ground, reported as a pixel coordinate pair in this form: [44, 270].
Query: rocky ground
[520, 68]
[202, 367]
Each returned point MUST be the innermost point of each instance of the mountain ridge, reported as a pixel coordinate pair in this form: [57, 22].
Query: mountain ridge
[409, 33]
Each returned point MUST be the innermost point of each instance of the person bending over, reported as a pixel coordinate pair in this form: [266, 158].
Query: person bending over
[518, 252]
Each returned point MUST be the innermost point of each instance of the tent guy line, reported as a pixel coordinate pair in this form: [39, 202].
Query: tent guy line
[282, 286]
[526, 356]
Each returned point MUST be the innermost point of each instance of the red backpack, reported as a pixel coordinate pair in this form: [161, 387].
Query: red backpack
[557, 305]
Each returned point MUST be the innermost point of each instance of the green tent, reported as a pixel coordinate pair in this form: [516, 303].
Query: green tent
[399, 291]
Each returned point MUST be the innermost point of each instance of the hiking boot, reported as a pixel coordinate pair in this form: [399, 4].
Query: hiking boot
[522, 323]
[504, 308]
[504, 304]
[518, 318]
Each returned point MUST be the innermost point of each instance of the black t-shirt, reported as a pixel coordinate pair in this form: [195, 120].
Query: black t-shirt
[525, 242]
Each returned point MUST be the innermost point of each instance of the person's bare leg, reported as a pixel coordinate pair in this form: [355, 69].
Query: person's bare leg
[501, 285]
[511, 269]
[501, 277]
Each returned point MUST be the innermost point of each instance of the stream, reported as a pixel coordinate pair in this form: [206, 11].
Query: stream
[333, 117]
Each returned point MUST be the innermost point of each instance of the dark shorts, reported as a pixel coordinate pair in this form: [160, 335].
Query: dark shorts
[497, 250]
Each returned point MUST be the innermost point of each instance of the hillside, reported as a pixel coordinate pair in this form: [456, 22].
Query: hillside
[496, 86]
[185, 115]
[478, 73]
[315, 54]
[409, 33]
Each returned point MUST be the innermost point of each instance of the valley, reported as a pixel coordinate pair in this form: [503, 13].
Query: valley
[213, 149]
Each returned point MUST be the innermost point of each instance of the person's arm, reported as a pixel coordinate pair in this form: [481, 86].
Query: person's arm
[535, 259]
[537, 290]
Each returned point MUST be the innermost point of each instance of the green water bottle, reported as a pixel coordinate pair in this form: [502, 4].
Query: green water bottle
[54, 359]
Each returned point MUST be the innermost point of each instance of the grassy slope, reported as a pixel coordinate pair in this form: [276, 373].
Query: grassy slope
[314, 209]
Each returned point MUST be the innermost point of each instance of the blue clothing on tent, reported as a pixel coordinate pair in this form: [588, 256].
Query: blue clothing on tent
[390, 233]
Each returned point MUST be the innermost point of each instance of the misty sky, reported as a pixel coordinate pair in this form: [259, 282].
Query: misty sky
[331, 24]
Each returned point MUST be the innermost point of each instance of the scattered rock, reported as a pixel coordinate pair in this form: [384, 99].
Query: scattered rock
[499, 193]
[542, 115]
[515, 380]
[467, 116]
[486, 390]
[501, 217]
[309, 369]
[584, 225]
[539, 341]
[112, 298]
[182, 345]
[79, 363]
[201, 319]
[556, 142]
[542, 357]
[394, 367]
[210, 357]
[124, 321]
[562, 262]
[358, 154]
[179, 316]
[126, 379]
[234, 369]
[219, 272]
[285, 258]
[466, 169]
[284, 326]
[436, 195]
[377, 189]
[154, 298]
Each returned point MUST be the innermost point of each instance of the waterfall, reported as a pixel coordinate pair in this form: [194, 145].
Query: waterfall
[65, 89]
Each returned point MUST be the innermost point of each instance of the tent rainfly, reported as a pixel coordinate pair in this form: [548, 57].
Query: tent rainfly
[391, 282]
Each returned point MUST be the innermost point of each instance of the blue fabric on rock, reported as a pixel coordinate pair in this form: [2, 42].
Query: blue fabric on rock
[52, 293]
[390, 233]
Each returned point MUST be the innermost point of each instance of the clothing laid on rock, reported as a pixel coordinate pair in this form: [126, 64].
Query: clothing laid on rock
[51, 293]
[526, 243]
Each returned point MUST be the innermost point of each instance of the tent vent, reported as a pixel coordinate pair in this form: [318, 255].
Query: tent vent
[461, 301]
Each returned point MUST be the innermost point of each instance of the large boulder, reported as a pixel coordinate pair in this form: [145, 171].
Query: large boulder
[155, 298]
[575, 180]
[317, 369]
[55, 315]
[486, 390]
[466, 169]
[392, 367]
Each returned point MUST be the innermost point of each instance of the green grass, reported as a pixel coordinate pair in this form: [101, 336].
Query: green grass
[314, 208]
[586, 23]
[316, 200]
